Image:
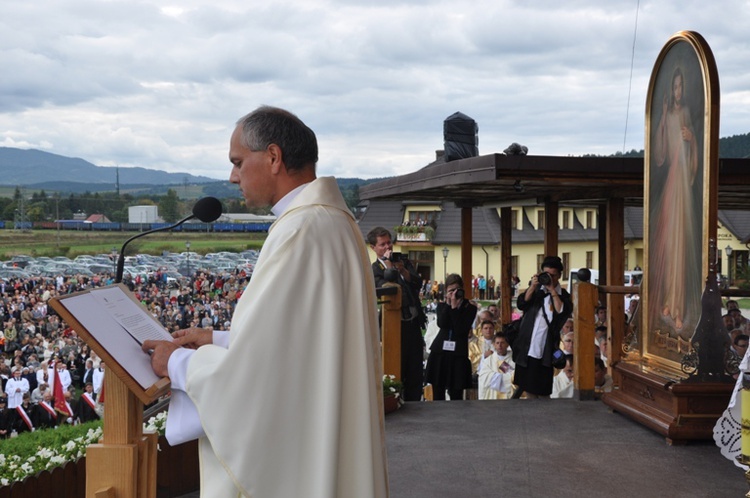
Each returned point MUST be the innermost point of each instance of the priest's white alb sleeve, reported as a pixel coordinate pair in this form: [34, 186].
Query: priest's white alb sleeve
[183, 422]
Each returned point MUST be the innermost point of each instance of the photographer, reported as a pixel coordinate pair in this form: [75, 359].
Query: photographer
[546, 306]
[448, 366]
[396, 267]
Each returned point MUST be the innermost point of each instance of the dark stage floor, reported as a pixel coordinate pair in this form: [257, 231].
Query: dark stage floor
[544, 448]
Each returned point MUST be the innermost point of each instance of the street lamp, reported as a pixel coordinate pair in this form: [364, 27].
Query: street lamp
[445, 263]
[728, 250]
[187, 246]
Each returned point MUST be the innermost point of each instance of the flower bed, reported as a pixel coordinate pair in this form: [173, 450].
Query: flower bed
[35, 452]
[50, 462]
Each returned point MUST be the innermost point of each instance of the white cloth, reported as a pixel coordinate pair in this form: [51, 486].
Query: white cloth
[320, 415]
[98, 379]
[431, 331]
[50, 377]
[15, 388]
[65, 379]
[493, 382]
[562, 386]
[728, 428]
[541, 327]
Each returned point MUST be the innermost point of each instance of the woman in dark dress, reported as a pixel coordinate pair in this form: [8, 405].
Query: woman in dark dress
[448, 366]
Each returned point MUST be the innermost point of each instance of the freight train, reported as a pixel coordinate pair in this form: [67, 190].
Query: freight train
[134, 227]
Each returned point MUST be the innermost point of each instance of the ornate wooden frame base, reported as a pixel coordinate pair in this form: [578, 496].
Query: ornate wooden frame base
[680, 411]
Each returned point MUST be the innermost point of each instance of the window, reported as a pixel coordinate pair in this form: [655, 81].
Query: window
[626, 258]
[427, 217]
[589, 219]
[566, 264]
[589, 259]
[740, 261]
[514, 219]
[514, 265]
[566, 220]
[539, 261]
[540, 219]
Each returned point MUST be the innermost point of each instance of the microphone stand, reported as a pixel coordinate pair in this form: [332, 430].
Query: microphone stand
[121, 258]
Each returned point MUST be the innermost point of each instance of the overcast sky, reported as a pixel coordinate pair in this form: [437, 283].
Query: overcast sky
[160, 84]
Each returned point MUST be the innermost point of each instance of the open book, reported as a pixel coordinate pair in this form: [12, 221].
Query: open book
[114, 324]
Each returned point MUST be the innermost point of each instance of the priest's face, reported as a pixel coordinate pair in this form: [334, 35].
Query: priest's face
[252, 171]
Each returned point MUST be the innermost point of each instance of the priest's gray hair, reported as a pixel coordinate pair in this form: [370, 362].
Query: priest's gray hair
[268, 125]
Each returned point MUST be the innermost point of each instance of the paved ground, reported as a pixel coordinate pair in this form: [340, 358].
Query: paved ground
[540, 448]
[544, 448]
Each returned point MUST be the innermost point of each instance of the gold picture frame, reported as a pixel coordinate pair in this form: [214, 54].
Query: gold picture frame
[680, 196]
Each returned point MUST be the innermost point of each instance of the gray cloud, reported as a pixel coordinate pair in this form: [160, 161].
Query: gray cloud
[134, 83]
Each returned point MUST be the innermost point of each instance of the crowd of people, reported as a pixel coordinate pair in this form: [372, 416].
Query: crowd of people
[531, 357]
[37, 345]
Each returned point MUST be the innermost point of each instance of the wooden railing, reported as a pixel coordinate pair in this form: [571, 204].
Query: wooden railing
[585, 299]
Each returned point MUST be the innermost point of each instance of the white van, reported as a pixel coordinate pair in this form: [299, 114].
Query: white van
[631, 278]
[573, 278]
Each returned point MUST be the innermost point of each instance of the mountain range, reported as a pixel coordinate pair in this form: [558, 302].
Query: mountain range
[27, 167]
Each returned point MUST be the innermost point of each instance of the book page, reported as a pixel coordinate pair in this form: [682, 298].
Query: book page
[130, 315]
[113, 337]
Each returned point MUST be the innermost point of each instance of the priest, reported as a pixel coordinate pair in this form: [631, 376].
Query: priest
[315, 427]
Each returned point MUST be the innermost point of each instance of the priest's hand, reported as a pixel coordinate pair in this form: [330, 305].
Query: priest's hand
[160, 352]
[194, 337]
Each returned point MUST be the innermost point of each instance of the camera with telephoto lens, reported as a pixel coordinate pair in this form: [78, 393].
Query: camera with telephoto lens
[544, 278]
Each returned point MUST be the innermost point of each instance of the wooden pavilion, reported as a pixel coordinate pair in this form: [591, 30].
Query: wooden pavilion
[609, 183]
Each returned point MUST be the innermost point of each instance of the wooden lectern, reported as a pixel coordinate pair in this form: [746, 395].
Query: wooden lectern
[123, 465]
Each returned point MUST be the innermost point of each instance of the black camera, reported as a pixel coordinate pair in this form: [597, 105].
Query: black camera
[544, 278]
[397, 257]
[559, 359]
[459, 293]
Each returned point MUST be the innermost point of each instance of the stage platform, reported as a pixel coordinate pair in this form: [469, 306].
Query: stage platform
[544, 448]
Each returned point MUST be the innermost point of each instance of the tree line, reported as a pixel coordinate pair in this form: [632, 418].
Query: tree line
[42, 206]
[45, 207]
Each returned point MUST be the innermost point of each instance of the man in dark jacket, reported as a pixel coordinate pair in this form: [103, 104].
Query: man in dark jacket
[546, 306]
[389, 267]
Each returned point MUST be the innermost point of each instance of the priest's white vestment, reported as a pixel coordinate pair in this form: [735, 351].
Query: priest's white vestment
[313, 427]
[493, 382]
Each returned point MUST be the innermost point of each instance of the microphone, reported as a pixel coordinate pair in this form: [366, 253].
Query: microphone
[206, 209]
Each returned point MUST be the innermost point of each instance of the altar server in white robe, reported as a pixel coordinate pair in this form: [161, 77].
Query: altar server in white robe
[496, 371]
[15, 388]
[563, 385]
[315, 427]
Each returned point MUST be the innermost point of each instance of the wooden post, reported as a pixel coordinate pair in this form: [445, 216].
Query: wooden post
[601, 225]
[506, 267]
[124, 464]
[615, 277]
[466, 248]
[586, 296]
[551, 228]
[391, 328]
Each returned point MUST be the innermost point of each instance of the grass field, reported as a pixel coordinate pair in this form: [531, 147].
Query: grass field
[72, 243]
